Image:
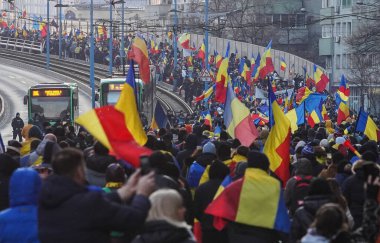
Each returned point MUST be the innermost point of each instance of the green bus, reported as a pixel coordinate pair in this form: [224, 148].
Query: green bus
[53, 103]
[110, 89]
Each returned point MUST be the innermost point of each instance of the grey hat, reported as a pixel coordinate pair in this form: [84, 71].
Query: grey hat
[209, 148]
[304, 167]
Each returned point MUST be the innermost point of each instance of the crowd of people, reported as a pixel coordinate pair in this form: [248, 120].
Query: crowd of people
[61, 186]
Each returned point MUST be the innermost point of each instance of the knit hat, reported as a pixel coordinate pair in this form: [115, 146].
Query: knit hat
[324, 143]
[304, 167]
[209, 148]
[340, 140]
[300, 144]
[258, 160]
[308, 149]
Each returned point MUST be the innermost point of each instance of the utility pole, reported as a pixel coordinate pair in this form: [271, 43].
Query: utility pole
[110, 41]
[92, 50]
[175, 44]
[48, 36]
[122, 52]
[206, 41]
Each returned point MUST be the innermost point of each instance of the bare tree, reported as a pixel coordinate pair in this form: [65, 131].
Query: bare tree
[365, 63]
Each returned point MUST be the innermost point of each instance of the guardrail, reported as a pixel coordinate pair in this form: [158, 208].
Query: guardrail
[20, 45]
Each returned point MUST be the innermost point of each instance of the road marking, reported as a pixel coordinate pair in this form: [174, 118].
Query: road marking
[12, 77]
[22, 81]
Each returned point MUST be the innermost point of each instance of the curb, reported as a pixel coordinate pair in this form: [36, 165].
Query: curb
[1, 106]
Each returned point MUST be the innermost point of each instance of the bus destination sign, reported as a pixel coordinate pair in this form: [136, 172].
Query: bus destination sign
[50, 92]
[115, 87]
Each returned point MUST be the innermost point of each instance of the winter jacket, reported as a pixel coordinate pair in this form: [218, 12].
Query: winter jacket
[160, 231]
[248, 234]
[69, 212]
[304, 216]
[203, 196]
[313, 237]
[19, 222]
[7, 166]
[353, 191]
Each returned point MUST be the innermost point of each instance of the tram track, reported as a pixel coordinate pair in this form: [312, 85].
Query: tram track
[79, 71]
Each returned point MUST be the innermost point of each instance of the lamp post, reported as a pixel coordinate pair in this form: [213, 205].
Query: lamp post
[110, 41]
[60, 6]
[48, 36]
[122, 52]
[175, 43]
[92, 50]
[206, 41]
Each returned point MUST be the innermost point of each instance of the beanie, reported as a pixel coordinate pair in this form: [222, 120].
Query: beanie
[209, 148]
[258, 160]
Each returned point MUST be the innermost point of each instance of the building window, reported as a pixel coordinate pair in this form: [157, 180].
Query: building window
[284, 20]
[268, 19]
[327, 31]
[344, 61]
[349, 61]
[292, 21]
[337, 29]
[301, 21]
[327, 3]
[346, 3]
[337, 61]
[328, 62]
[276, 19]
[344, 29]
[349, 30]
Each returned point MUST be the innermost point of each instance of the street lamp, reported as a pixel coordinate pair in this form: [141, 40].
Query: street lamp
[92, 50]
[206, 41]
[48, 35]
[60, 6]
[112, 3]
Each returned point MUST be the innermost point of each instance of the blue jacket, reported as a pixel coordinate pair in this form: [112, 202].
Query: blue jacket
[19, 222]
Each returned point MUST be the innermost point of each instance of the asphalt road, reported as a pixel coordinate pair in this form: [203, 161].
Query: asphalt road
[14, 83]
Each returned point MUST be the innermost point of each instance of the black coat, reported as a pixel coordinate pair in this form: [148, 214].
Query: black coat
[353, 191]
[304, 216]
[69, 212]
[162, 232]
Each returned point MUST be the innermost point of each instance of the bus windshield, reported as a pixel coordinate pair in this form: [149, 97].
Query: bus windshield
[52, 108]
[112, 97]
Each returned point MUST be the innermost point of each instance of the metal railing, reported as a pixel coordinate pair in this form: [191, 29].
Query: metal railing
[21, 45]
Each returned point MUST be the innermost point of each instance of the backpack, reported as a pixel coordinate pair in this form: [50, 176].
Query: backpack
[299, 192]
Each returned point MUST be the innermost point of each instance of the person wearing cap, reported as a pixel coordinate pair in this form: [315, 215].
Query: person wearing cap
[17, 125]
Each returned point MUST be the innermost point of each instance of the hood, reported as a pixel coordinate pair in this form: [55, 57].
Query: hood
[239, 158]
[313, 203]
[24, 187]
[313, 237]
[58, 189]
[42, 146]
[35, 132]
[161, 231]
[99, 163]
[205, 159]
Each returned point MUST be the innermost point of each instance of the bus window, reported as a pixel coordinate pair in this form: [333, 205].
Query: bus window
[112, 97]
[53, 108]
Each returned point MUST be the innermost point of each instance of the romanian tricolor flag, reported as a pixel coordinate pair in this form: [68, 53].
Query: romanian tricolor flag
[254, 200]
[302, 94]
[205, 94]
[189, 61]
[282, 64]
[159, 120]
[238, 120]
[256, 69]
[309, 81]
[184, 41]
[343, 91]
[208, 120]
[119, 128]
[343, 112]
[366, 125]
[221, 82]
[218, 60]
[296, 117]
[197, 230]
[278, 142]
[266, 64]
[325, 115]
[170, 35]
[139, 53]
[314, 118]
[321, 80]
[202, 52]
[246, 73]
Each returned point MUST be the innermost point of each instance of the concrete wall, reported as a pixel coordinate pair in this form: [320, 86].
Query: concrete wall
[294, 63]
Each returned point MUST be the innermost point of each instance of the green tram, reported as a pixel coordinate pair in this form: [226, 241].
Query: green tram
[53, 103]
[110, 89]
